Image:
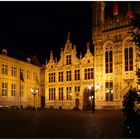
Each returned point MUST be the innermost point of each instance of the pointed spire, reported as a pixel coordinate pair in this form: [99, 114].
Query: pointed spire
[68, 36]
[51, 56]
[88, 44]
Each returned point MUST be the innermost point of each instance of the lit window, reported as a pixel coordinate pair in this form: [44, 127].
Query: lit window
[60, 76]
[88, 73]
[28, 75]
[51, 77]
[21, 90]
[69, 94]
[68, 59]
[128, 56]
[13, 71]
[13, 89]
[68, 75]
[35, 77]
[77, 89]
[4, 89]
[61, 93]
[51, 93]
[109, 91]
[108, 58]
[77, 75]
[4, 69]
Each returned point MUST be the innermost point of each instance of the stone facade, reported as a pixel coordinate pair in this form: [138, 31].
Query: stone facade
[113, 50]
[66, 80]
[14, 89]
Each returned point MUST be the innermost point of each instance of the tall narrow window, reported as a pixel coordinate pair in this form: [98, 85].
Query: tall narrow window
[68, 92]
[109, 91]
[28, 75]
[13, 71]
[76, 74]
[51, 93]
[4, 69]
[128, 53]
[60, 76]
[68, 59]
[108, 58]
[51, 77]
[4, 89]
[21, 90]
[13, 89]
[68, 75]
[61, 93]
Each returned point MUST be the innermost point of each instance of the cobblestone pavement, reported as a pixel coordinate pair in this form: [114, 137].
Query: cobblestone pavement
[61, 124]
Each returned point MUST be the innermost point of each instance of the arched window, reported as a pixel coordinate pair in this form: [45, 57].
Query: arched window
[128, 53]
[108, 58]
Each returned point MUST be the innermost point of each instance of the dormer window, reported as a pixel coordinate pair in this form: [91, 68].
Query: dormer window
[88, 61]
[68, 59]
[4, 51]
[28, 60]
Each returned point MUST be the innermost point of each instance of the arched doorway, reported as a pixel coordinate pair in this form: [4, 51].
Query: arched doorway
[77, 103]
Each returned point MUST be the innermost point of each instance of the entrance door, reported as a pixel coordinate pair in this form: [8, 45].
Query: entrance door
[77, 103]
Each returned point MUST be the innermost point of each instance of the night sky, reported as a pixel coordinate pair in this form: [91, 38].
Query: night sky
[38, 27]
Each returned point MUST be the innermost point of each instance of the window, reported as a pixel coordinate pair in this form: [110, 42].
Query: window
[60, 76]
[51, 77]
[13, 89]
[4, 69]
[28, 75]
[21, 90]
[68, 75]
[77, 75]
[61, 93]
[51, 93]
[13, 71]
[109, 91]
[35, 77]
[88, 73]
[77, 89]
[4, 89]
[68, 92]
[108, 58]
[128, 52]
[68, 59]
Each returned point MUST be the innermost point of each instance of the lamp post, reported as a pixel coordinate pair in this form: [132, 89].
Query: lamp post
[34, 92]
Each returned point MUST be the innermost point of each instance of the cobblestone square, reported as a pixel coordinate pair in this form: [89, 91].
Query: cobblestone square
[61, 124]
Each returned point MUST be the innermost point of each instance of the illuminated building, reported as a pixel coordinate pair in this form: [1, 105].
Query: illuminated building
[114, 52]
[68, 79]
[69, 83]
[17, 78]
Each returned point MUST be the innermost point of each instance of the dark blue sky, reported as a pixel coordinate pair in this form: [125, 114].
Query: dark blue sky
[37, 27]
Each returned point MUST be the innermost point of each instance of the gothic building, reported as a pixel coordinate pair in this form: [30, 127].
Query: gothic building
[68, 80]
[115, 59]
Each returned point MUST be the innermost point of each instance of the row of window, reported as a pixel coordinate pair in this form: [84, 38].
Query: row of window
[128, 57]
[13, 90]
[52, 93]
[88, 75]
[14, 72]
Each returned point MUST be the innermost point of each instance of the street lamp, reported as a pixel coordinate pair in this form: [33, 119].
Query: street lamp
[34, 91]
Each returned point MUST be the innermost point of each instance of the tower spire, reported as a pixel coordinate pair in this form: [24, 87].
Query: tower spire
[68, 36]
